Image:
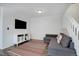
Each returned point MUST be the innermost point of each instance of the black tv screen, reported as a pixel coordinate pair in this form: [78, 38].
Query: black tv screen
[19, 24]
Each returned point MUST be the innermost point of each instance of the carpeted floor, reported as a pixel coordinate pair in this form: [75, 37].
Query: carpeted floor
[31, 48]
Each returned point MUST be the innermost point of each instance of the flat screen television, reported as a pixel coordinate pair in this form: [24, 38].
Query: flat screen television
[19, 24]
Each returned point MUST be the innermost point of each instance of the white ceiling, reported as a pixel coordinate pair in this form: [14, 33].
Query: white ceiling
[29, 9]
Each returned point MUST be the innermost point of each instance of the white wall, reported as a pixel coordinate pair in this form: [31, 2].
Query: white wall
[45, 25]
[70, 19]
[9, 15]
[1, 22]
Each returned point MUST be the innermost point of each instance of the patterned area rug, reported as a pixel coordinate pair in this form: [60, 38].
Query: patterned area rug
[32, 48]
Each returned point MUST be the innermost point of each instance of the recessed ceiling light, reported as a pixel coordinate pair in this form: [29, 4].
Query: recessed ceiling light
[39, 11]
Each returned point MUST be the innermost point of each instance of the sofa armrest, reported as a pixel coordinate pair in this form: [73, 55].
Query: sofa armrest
[48, 37]
[47, 40]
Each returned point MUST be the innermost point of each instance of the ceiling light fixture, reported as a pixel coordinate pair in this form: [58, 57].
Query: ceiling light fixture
[39, 11]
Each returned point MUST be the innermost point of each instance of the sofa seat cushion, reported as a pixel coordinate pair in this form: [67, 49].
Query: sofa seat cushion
[61, 52]
[53, 44]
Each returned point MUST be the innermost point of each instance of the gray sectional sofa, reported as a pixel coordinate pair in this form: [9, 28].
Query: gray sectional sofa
[65, 48]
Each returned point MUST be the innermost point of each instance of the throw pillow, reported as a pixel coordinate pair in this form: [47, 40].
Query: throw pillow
[59, 37]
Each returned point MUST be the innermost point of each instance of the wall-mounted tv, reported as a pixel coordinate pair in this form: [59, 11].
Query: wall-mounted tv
[19, 24]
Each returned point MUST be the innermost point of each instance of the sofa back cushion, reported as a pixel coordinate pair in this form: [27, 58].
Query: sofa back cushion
[51, 35]
[65, 40]
[71, 45]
